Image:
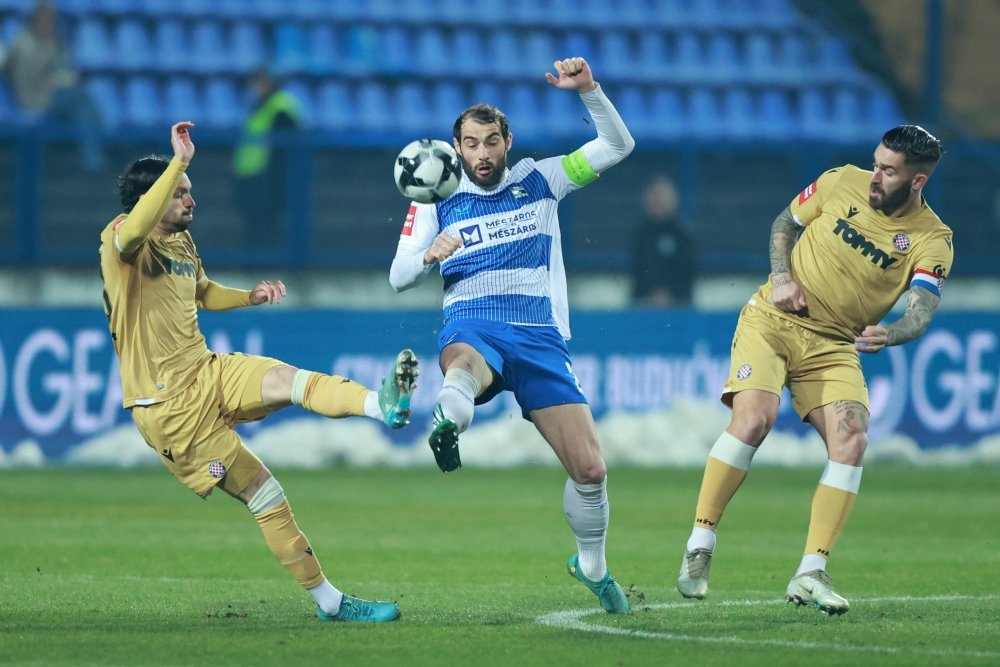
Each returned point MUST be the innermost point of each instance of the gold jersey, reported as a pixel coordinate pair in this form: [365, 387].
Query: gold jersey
[854, 262]
[151, 297]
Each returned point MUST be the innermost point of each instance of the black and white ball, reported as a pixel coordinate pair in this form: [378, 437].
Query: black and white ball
[428, 171]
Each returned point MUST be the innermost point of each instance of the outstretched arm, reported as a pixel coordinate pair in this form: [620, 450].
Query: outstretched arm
[151, 207]
[614, 142]
[785, 292]
[920, 308]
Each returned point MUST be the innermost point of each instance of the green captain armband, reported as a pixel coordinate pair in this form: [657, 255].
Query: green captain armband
[578, 169]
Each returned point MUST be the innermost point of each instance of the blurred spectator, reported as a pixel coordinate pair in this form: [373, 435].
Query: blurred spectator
[260, 167]
[663, 257]
[47, 85]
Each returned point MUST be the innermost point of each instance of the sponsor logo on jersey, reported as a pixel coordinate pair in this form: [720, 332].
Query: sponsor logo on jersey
[513, 231]
[511, 219]
[901, 241]
[948, 241]
[408, 222]
[177, 267]
[744, 371]
[851, 212]
[807, 193]
[518, 192]
[857, 240]
[471, 235]
[217, 469]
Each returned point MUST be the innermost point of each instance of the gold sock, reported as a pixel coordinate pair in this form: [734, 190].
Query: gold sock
[718, 486]
[329, 395]
[830, 509]
[290, 546]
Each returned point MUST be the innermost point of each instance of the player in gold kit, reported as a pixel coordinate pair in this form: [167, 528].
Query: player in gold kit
[185, 399]
[868, 236]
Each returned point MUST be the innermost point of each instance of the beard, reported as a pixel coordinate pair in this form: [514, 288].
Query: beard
[888, 202]
[489, 180]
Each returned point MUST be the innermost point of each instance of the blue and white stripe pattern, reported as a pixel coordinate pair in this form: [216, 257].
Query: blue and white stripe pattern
[511, 261]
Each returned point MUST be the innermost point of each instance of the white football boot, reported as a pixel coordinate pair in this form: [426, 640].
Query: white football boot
[693, 579]
[814, 588]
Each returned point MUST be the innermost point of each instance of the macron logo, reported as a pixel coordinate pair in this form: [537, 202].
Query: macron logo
[408, 223]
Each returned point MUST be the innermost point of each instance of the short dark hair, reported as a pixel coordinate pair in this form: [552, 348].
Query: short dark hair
[485, 114]
[138, 178]
[921, 148]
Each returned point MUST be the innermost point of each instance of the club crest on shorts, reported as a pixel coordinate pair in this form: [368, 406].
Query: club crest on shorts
[901, 241]
[217, 469]
[744, 371]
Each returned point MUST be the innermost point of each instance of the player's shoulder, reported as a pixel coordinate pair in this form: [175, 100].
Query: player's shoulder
[113, 225]
[932, 225]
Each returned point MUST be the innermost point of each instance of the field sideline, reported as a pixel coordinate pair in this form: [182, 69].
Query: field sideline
[127, 568]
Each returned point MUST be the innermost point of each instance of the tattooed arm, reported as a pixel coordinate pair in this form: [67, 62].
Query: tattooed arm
[785, 292]
[920, 308]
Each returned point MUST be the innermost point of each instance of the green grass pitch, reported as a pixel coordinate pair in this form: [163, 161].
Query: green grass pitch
[128, 568]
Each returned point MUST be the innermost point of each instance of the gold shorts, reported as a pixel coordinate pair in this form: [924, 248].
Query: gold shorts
[192, 432]
[770, 352]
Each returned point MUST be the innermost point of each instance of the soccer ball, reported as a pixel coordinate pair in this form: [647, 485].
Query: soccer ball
[428, 171]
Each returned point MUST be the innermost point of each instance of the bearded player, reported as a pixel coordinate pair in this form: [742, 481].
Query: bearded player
[866, 238]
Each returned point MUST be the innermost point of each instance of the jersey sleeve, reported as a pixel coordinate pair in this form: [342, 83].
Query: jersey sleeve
[934, 265]
[420, 228]
[808, 204]
[558, 176]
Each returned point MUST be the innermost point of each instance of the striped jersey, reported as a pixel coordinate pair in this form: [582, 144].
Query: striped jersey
[854, 262]
[510, 267]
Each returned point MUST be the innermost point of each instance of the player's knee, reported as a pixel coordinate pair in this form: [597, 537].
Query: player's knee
[852, 448]
[752, 427]
[590, 472]
[268, 496]
[276, 387]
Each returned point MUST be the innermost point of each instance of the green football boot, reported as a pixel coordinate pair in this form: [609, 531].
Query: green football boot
[356, 610]
[607, 590]
[444, 442]
[395, 392]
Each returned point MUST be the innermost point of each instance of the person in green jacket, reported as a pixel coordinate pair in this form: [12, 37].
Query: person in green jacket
[262, 159]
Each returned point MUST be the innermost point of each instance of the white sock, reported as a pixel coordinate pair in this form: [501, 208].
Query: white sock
[372, 407]
[327, 597]
[701, 538]
[457, 397]
[811, 562]
[587, 511]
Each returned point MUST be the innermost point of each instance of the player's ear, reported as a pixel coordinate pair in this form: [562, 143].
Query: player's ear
[458, 146]
[510, 139]
[918, 182]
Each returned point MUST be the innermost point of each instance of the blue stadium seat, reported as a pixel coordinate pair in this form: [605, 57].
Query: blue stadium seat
[323, 54]
[396, 51]
[634, 14]
[577, 43]
[882, 112]
[616, 54]
[447, 101]
[847, 115]
[412, 108]
[539, 51]
[307, 101]
[704, 114]
[465, 45]
[107, 98]
[528, 13]
[247, 46]
[361, 49]
[833, 57]
[9, 28]
[182, 100]
[143, 106]
[170, 46]
[454, 11]
[93, 45]
[523, 112]
[432, 54]
[210, 53]
[373, 107]
[289, 48]
[131, 46]
[632, 104]
[268, 10]
[689, 60]
[222, 103]
[310, 11]
[504, 53]
[483, 92]
[563, 115]
[653, 59]
[814, 114]
[794, 62]
[776, 118]
[334, 107]
[722, 59]
[739, 115]
[761, 59]
[669, 14]
[667, 117]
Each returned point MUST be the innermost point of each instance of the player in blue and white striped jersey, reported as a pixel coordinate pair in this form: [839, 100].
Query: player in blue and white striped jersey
[505, 308]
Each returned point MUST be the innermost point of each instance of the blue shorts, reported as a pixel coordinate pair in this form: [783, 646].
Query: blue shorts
[532, 362]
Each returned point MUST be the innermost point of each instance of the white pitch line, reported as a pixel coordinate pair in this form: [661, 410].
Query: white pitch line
[571, 620]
